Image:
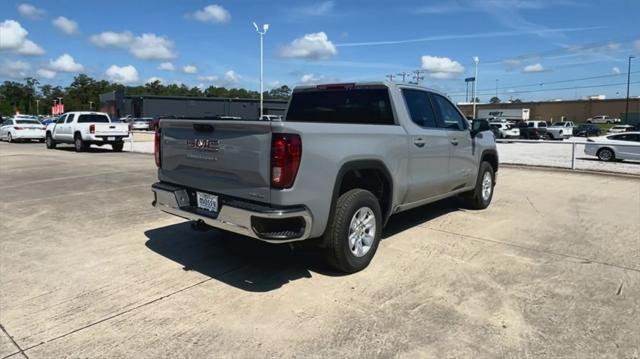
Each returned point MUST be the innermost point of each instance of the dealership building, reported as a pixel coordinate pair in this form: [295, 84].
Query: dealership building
[118, 104]
[575, 110]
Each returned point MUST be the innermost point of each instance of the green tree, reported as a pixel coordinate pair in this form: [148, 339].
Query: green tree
[494, 99]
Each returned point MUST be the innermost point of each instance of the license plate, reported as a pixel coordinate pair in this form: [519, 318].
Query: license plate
[111, 138]
[207, 201]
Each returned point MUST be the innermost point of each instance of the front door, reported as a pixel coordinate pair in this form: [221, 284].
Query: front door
[429, 149]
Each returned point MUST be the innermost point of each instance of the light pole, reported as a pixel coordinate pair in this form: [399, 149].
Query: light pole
[626, 111]
[37, 107]
[90, 105]
[265, 27]
[475, 82]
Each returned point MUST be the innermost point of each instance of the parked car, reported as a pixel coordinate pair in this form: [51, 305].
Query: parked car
[602, 119]
[620, 129]
[86, 128]
[560, 130]
[505, 130]
[143, 124]
[345, 158]
[586, 130]
[21, 129]
[532, 130]
[622, 146]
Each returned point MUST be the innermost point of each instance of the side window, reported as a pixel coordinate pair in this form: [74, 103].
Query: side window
[420, 108]
[530, 124]
[69, 118]
[61, 119]
[542, 124]
[449, 114]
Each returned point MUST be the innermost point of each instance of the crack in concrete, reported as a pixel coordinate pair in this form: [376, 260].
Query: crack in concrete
[20, 351]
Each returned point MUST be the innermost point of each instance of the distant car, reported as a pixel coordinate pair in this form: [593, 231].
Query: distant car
[622, 146]
[505, 130]
[144, 123]
[49, 120]
[533, 130]
[586, 130]
[560, 130]
[24, 129]
[620, 129]
[602, 119]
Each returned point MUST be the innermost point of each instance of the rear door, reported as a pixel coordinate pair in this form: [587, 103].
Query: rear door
[429, 148]
[224, 157]
[462, 164]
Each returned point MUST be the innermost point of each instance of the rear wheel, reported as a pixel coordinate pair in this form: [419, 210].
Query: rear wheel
[79, 144]
[117, 147]
[606, 154]
[51, 144]
[9, 137]
[354, 231]
[481, 196]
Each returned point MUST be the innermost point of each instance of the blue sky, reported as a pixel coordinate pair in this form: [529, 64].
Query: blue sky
[534, 49]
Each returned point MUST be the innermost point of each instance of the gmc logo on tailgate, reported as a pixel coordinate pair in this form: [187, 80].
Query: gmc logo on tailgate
[205, 145]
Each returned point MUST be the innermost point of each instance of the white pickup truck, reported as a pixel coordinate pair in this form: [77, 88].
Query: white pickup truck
[560, 130]
[83, 129]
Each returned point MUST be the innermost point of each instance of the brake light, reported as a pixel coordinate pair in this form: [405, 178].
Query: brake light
[92, 128]
[345, 86]
[156, 147]
[286, 151]
[18, 128]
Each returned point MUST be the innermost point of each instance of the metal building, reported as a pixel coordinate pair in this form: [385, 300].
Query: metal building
[118, 104]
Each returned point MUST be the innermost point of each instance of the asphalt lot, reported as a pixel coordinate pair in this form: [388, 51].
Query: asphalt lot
[89, 269]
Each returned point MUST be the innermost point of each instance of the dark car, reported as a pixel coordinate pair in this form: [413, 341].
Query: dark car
[586, 130]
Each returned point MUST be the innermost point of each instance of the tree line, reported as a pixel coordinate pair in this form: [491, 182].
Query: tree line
[32, 97]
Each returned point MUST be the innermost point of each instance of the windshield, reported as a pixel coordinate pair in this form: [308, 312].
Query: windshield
[27, 122]
[93, 118]
[558, 124]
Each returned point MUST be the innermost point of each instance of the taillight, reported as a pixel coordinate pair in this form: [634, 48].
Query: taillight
[156, 146]
[92, 128]
[286, 151]
[18, 128]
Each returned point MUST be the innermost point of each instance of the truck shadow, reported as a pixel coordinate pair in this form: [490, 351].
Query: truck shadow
[255, 266]
[70, 148]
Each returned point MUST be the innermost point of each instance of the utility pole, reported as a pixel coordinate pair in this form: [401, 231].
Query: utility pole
[404, 76]
[390, 77]
[626, 111]
[476, 59]
[416, 75]
[265, 27]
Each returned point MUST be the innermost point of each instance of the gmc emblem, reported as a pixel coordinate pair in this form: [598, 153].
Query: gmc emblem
[205, 145]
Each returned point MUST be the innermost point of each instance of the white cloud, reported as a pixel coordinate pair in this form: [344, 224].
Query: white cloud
[65, 63]
[310, 79]
[31, 12]
[152, 47]
[310, 46]
[441, 67]
[230, 77]
[14, 39]
[190, 69]
[615, 70]
[636, 44]
[166, 66]
[212, 13]
[66, 25]
[124, 74]
[147, 46]
[110, 38]
[274, 84]
[15, 69]
[319, 9]
[46, 73]
[208, 78]
[154, 79]
[537, 67]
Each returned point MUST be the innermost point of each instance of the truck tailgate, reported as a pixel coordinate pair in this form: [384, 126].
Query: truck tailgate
[112, 129]
[226, 157]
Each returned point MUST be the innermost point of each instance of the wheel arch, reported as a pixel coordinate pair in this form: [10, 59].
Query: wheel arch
[490, 156]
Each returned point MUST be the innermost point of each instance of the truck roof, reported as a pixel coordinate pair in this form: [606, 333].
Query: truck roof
[85, 113]
[389, 84]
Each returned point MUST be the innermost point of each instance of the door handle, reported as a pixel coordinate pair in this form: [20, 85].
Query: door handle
[419, 142]
[454, 142]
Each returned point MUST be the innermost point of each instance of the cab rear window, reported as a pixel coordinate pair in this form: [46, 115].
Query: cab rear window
[354, 106]
[93, 118]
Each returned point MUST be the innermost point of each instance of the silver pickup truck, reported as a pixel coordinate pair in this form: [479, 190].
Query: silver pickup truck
[343, 160]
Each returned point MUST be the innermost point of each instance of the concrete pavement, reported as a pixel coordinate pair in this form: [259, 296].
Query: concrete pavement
[89, 269]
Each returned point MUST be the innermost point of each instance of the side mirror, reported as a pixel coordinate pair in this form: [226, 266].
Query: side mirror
[478, 126]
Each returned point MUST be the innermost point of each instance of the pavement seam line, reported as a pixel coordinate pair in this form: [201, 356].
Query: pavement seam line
[583, 259]
[134, 308]
[14, 343]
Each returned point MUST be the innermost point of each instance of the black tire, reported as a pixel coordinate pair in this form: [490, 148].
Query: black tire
[474, 199]
[551, 136]
[588, 121]
[338, 252]
[117, 147]
[79, 144]
[9, 137]
[606, 154]
[50, 143]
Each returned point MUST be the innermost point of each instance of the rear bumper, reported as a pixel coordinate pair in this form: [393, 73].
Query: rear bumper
[274, 225]
[98, 139]
[24, 135]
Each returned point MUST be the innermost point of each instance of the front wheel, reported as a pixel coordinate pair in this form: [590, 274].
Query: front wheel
[606, 154]
[9, 137]
[481, 196]
[51, 144]
[354, 231]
